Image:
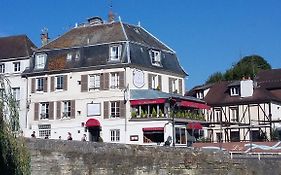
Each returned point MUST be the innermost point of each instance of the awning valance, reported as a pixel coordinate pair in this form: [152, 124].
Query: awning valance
[153, 129]
[194, 125]
[92, 123]
[194, 105]
[148, 101]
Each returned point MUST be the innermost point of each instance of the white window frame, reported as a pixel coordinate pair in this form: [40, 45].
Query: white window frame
[234, 114]
[115, 135]
[234, 91]
[44, 130]
[94, 81]
[39, 84]
[69, 57]
[114, 109]
[175, 86]
[114, 80]
[182, 140]
[59, 82]
[44, 110]
[154, 81]
[40, 61]
[16, 95]
[200, 94]
[115, 52]
[155, 57]
[66, 109]
[2, 68]
[218, 115]
[16, 66]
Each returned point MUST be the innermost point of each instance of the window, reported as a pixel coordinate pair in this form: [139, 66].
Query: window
[69, 57]
[66, 111]
[44, 130]
[200, 95]
[16, 66]
[155, 57]
[234, 114]
[115, 135]
[115, 53]
[40, 61]
[115, 109]
[44, 110]
[218, 115]
[77, 56]
[39, 84]
[180, 136]
[234, 91]
[16, 95]
[153, 136]
[154, 82]
[114, 80]
[59, 82]
[2, 68]
[94, 81]
[174, 86]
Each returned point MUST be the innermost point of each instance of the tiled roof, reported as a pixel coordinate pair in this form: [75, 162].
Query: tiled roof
[15, 47]
[269, 79]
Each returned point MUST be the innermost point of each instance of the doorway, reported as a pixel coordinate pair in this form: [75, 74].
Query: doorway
[94, 133]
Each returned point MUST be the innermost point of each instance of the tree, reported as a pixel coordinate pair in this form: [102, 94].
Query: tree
[14, 157]
[248, 66]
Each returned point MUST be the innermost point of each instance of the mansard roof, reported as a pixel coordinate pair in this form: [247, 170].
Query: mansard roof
[92, 42]
[15, 47]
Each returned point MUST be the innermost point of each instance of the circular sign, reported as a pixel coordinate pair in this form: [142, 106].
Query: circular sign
[138, 78]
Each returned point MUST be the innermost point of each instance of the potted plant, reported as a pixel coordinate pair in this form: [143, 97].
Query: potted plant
[154, 113]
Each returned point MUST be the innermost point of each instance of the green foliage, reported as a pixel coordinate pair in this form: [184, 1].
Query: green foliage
[14, 157]
[134, 114]
[154, 113]
[248, 66]
[160, 113]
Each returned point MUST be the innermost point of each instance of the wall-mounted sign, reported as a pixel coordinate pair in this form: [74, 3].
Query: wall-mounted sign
[138, 78]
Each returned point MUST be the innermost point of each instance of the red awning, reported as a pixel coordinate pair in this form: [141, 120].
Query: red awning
[194, 125]
[153, 129]
[92, 123]
[148, 101]
[194, 105]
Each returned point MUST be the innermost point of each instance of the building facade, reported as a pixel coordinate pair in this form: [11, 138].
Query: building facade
[15, 54]
[111, 81]
[246, 110]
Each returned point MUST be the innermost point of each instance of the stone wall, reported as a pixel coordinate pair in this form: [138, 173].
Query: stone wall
[57, 157]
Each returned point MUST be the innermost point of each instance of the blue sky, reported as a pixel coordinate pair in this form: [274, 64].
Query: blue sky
[208, 35]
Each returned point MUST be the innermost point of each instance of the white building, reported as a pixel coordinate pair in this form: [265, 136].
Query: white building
[15, 54]
[113, 81]
[244, 110]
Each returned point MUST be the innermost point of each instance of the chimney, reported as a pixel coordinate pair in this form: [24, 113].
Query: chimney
[95, 20]
[44, 37]
[111, 17]
[246, 87]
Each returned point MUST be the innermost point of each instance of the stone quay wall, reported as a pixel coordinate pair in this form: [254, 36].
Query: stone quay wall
[58, 157]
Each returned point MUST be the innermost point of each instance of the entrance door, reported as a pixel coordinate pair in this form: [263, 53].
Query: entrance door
[94, 134]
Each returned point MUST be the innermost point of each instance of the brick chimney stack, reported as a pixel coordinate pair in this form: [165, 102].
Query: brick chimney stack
[44, 37]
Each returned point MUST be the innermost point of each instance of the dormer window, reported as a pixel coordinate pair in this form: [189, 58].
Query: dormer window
[234, 91]
[115, 53]
[40, 61]
[69, 57]
[155, 57]
[199, 95]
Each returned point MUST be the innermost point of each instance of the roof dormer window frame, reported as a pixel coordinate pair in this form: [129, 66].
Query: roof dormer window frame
[40, 61]
[155, 57]
[200, 94]
[115, 52]
[234, 91]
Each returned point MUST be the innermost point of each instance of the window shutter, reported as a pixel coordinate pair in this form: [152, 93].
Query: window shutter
[65, 82]
[84, 83]
[45, 84]
[160, 82]
[36, 111]
[52, 84]
[149, 81]
[122, 109]
[58, 110]
[180, 86]
[33, 81]
[105, 109]
[51, 110]
[72, 106]
[105, 81]
[170, 85]
[121, 80]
